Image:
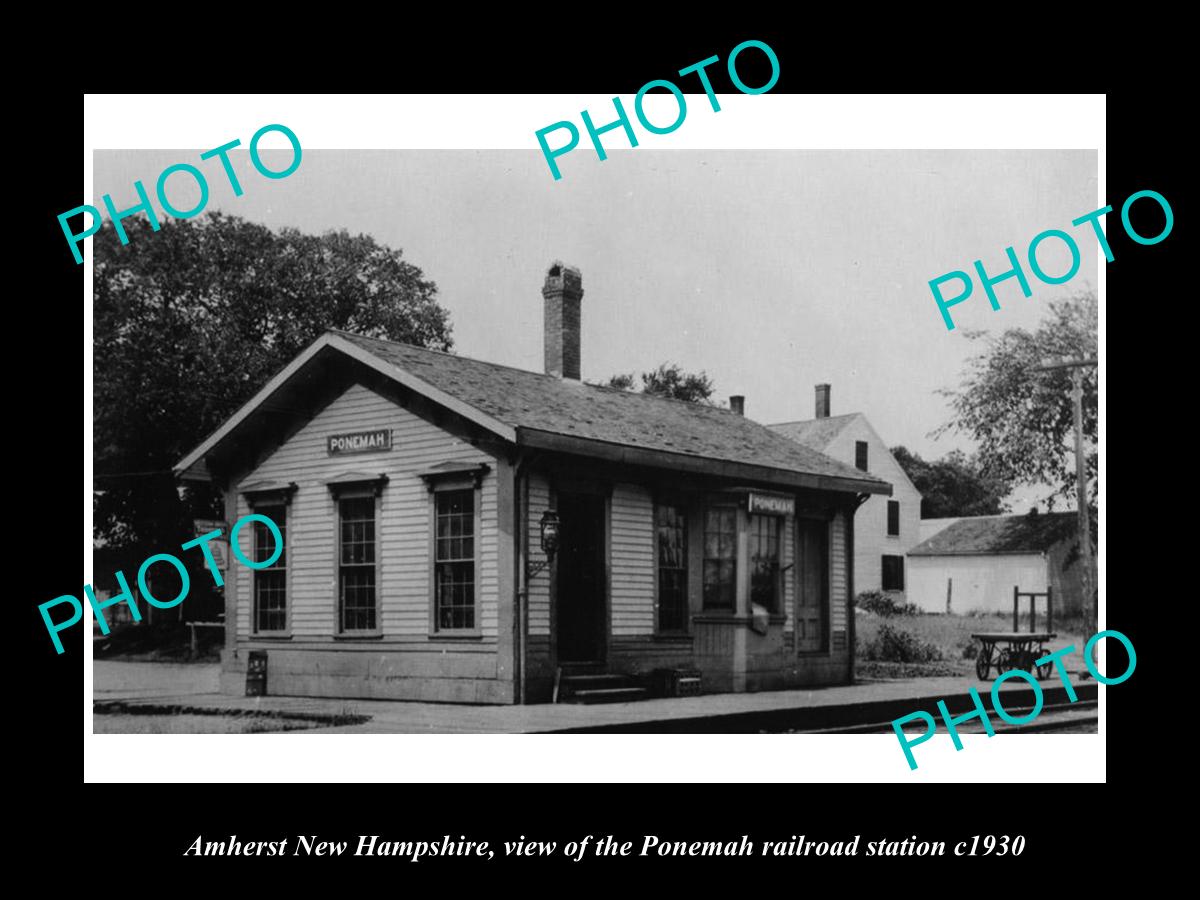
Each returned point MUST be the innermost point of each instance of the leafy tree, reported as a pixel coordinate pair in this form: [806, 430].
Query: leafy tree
[190, 321]
[1021, 418]
[952, 486]
[669, 380]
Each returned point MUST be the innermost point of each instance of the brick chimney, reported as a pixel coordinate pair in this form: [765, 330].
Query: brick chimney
[822, 401]
[563, 293]
[737, 403]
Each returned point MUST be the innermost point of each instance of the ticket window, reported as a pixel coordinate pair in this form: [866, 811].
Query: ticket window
[765, 533]
[720, 592]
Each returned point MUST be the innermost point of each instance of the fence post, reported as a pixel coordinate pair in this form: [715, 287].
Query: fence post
[949, 587]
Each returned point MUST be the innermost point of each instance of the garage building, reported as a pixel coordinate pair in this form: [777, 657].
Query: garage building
[972, 564]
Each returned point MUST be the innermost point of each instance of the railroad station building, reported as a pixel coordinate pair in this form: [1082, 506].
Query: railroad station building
[458, 530]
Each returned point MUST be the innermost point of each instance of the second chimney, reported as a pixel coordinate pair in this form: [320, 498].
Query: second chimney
[563, 294]
[822, 401]
[738, 404]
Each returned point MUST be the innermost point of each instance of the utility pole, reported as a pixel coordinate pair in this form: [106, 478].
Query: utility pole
[1090, 598]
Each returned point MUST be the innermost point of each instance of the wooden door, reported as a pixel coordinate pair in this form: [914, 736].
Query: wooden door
[812, 585]
[581, 618]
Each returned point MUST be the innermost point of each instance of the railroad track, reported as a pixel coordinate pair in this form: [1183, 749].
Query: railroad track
[1053, 717]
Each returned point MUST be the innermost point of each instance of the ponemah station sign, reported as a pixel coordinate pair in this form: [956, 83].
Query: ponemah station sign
[359, 442]
[771, 504]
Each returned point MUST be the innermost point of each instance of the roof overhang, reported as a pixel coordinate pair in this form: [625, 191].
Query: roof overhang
[194, 465]
[683, 462]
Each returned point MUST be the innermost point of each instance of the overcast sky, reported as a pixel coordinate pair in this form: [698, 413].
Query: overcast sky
[770, 270]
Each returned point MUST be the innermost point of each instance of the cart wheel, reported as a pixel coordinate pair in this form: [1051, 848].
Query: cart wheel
[1001, 662]
[983, 662]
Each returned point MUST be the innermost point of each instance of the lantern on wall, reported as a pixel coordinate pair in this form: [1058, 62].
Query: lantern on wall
[550, 525]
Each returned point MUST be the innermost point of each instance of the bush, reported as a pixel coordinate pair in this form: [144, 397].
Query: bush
[885, 605]
[891, 670]
[898, 645]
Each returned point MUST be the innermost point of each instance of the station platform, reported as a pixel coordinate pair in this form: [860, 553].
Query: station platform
[828, 709]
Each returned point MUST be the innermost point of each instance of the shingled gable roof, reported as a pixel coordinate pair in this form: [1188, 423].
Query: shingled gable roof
[544, 410]
[815, 433]
[990, 535]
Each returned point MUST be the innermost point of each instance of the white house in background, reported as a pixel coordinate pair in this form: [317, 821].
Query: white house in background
[885, 528]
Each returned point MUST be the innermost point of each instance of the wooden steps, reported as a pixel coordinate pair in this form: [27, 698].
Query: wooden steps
[590, 683]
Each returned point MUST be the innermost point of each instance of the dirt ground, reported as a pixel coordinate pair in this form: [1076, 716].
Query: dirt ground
[118, 678]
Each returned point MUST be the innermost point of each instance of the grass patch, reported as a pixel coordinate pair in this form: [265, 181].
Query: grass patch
[950, 635]
[187, 724]
[119, 717]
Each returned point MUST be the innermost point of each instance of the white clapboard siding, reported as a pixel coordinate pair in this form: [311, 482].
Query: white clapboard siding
[632, 556]
[404, 518]
[539, 585]
[838, 585]
[787, 553]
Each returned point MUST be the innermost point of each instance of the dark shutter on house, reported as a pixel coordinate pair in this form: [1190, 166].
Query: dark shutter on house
[893, 524]
[860, 455]
[893, 573]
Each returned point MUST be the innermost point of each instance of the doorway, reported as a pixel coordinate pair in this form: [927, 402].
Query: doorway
[580, 588]
[812, 595]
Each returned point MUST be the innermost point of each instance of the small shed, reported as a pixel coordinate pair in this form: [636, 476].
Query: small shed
[973, 564]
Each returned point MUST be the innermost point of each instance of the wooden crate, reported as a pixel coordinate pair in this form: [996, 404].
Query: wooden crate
[675, 682]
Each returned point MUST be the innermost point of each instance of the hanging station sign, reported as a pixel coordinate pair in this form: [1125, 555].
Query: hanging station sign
[771, 504]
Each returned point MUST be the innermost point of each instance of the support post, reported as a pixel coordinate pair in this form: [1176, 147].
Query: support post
[1091, 598]
[1085, 525]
